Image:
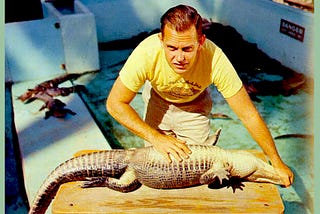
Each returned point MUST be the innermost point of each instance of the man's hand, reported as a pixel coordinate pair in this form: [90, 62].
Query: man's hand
[285, 173]
[118, 105]
[169, 145]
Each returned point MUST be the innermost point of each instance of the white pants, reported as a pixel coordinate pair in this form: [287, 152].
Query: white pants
[187, 121]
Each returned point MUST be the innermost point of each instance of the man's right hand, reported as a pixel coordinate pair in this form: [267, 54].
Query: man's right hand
[118, 105]
[168, 145]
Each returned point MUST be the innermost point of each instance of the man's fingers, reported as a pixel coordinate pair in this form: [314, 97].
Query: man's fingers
[185, 149]
[166, 153]
[291, 178]
[167, 156]
[173, 148]
[287, 181]
[287, 184]
[175, 154]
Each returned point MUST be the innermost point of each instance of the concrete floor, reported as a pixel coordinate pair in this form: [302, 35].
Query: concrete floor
[284, 115]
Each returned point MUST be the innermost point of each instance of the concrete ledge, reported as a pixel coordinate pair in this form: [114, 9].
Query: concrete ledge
[33, 50]
[44, 144]
[79, 37]
[38, 49]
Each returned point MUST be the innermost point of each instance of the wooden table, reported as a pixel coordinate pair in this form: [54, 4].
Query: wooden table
[254, 198]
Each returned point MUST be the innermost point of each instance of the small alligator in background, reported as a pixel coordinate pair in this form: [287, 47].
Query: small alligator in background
[126, 170]
[46, 91]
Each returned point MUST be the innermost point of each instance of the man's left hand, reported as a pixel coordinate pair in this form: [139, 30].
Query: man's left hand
[285, 173]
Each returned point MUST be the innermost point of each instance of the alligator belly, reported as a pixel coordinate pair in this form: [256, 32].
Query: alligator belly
[168, 179]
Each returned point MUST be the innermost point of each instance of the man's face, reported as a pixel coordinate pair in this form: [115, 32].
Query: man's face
[181, 48]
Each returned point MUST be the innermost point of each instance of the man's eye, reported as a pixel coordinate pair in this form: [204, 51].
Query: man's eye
[187, 49]
[171, 48]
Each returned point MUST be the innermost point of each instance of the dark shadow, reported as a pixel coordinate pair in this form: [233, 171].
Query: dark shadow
[303, 193]
[235, 183]
[43, 137]
[16, 11]
[15, 195]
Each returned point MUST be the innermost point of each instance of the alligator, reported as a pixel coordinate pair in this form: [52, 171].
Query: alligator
[47, 90]
[125, 170]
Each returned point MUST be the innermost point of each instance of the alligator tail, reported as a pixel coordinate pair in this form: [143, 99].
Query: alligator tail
[107, 163]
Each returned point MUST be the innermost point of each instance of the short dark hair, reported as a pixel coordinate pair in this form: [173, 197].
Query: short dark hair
[182, 18]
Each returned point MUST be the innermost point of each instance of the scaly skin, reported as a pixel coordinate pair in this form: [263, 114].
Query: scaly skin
[98, 164]
[127, 170]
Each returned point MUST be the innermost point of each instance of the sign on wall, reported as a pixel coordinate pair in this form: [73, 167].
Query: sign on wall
[291, 29]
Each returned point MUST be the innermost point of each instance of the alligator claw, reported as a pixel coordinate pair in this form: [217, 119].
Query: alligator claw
[211, 175]
[235, 183]
[221, 174]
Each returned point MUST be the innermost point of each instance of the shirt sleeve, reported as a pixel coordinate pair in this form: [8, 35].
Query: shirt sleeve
[134, 72]
[225, 77]
[139, 65]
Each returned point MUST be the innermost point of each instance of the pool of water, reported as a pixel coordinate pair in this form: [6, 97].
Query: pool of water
[283, 115]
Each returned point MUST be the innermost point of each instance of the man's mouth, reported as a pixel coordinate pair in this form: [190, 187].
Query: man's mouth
[180, 65]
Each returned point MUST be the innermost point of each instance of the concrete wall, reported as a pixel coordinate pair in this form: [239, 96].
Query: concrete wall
[257, 20]
[35, 49]
[56, 44]
[118, 19]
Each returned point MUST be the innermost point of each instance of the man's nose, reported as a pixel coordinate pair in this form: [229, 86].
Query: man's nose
[180, 56]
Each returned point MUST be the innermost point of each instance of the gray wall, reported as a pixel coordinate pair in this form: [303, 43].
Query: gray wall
[34, 48]
[257, 20]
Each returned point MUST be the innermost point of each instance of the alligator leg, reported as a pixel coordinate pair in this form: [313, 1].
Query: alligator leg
[264, 173]
[94, 182]
[216, 172]
[126, 183]
[213, 139]
[252, 168]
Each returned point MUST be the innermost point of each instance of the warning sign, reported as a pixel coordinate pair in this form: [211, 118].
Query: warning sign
[293, 30]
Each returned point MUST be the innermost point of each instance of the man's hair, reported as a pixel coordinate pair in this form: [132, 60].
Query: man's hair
[181, 18]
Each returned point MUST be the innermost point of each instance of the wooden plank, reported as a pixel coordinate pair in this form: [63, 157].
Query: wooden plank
[254, 198]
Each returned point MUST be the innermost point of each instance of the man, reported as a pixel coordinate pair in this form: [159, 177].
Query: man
[177, 66]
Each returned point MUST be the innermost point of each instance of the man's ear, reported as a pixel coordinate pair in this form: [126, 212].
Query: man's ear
[202, 39]
[161, 38]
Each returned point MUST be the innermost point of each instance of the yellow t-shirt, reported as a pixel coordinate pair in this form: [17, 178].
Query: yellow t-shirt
[148, 62]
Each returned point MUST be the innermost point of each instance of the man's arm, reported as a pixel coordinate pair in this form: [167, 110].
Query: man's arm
[118, 105]
[241, 104]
